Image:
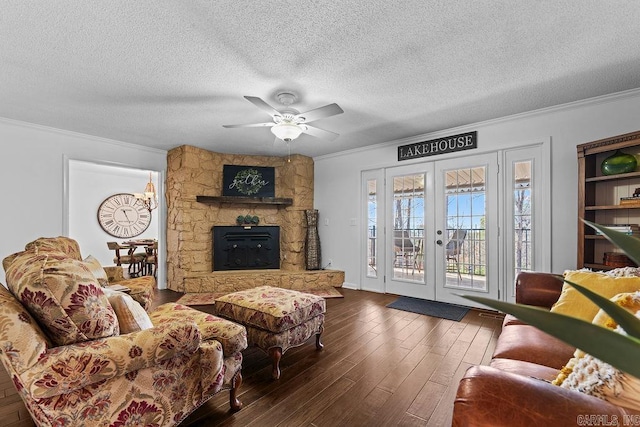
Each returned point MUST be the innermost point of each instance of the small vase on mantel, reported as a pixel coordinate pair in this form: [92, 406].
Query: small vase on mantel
[312, 241]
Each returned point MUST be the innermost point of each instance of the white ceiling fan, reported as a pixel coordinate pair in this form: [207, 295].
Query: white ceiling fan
[289, 123]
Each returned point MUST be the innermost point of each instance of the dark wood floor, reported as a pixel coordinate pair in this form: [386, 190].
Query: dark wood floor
[379, 366]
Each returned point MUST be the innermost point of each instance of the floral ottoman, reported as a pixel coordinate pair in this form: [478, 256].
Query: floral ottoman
[276, 319]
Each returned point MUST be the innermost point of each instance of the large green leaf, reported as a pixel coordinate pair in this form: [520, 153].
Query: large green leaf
[620, 351]
[626, 320]
[629, 244]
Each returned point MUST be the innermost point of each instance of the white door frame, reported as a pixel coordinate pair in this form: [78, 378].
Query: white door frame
[540, 156]
[372, 278]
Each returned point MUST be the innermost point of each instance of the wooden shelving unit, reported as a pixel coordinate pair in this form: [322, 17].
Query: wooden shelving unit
[599, 196]
[245, 200]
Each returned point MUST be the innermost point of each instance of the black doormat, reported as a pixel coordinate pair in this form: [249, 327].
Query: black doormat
[430, 308]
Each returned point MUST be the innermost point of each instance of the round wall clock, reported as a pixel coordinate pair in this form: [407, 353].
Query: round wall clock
[122, 215]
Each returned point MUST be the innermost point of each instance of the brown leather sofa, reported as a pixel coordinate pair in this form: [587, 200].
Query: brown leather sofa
[515, 389]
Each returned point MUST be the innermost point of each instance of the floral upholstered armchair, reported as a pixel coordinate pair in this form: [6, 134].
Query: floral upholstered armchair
[141, 288]
[79, 354]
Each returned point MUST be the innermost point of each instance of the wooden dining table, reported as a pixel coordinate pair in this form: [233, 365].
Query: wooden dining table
[134, 244]
[147, 244]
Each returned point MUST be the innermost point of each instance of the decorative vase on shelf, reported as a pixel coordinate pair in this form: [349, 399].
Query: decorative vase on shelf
[312, 241]
[618, 162]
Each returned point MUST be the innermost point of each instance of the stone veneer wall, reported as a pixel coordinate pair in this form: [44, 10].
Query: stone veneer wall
[232, 281]
[192, 172]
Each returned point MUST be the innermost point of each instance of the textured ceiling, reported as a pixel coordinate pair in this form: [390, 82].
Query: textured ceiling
[167, 73]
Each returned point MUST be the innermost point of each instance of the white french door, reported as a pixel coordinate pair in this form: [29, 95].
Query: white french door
[433, 228]
[409, 231]
[466, 224]
[441, 226]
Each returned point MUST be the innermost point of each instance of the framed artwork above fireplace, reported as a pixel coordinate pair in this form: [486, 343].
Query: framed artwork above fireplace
[248, 181]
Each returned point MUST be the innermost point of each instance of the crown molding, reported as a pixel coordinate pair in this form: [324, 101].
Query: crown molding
[69, 133]
[603, 99]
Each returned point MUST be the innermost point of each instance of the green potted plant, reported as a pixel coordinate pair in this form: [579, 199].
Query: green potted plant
[619, 350]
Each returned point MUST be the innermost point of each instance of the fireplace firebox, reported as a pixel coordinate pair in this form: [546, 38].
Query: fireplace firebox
[246, 248]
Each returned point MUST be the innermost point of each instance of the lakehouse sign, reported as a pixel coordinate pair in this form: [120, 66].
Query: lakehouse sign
[449, 144]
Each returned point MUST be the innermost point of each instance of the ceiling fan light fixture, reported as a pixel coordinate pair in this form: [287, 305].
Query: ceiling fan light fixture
[288, 123]
[287, 131]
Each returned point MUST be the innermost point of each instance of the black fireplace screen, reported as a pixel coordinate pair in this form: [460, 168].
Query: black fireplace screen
[246, 248]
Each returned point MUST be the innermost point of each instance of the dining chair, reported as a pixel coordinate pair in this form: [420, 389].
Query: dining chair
[134, 260]
[151, 260]
[403, 247]
[454, 247]
[418, 255]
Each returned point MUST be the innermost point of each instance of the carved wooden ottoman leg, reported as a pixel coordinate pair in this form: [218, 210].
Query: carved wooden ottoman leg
[235, 404]
[319, 345]
[275, 353]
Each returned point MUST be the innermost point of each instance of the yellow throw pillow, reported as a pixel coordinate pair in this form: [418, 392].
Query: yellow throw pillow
[131, 316]
[573, 303]
[630, 301]
[586, 374]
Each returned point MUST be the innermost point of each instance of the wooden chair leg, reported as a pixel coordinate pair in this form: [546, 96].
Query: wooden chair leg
[275, 353]
[235, 404]
[132, 271]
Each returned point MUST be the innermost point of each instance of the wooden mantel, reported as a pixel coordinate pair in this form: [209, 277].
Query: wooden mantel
[245, 200]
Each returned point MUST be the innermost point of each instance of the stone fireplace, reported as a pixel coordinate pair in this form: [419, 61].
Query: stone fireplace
[195, 206]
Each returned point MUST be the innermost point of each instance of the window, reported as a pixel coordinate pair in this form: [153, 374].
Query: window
[408, 226]
[372, 232]
[522, 218]
[527, 237]
[466, 260]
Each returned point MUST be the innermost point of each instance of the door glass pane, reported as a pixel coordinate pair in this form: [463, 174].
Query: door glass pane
[522, 208]
[465, 248]
[372, 233]
[408, 227]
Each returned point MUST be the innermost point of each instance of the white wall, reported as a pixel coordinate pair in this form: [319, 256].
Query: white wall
[32, 179]
[32, 184]
[337, 177]
[89, 185]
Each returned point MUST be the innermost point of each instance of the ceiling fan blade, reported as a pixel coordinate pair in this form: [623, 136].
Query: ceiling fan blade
[320, 133]
[320, 113]
[258, 102]
[250, 125]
